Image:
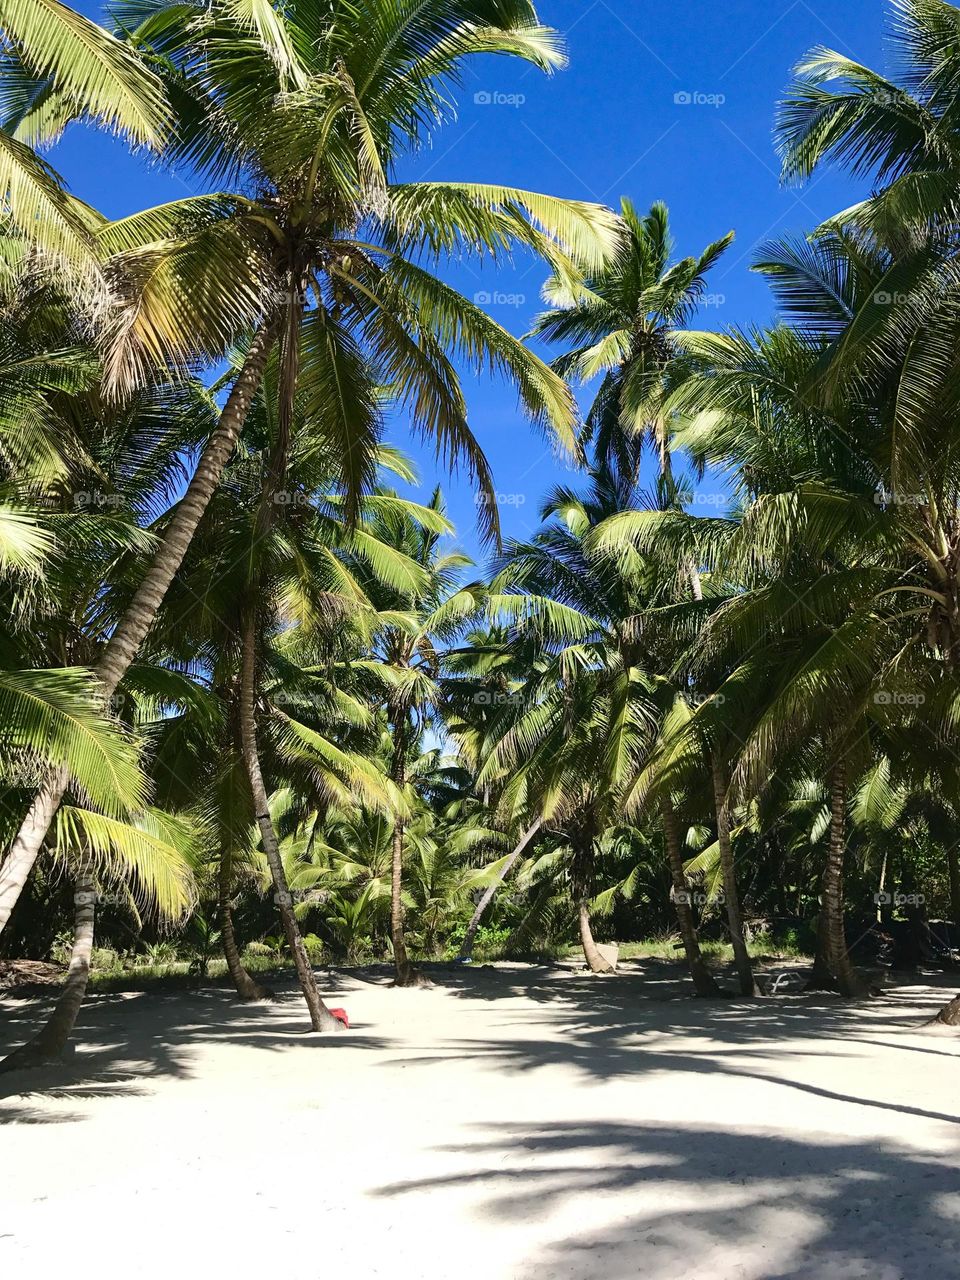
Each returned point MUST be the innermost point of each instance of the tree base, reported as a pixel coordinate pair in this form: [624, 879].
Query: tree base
[33, 1056]
[255, 995]
[949, 1016]
[409, 976]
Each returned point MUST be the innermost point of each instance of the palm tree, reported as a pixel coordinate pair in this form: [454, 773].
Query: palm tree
[58, 65]
[902, 132]
[581, 731]
[626, 321]
[264, 588]
[154, 855]
[412, 621]
[323, 264]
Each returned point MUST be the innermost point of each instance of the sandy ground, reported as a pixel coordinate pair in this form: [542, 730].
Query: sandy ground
[515, 1124]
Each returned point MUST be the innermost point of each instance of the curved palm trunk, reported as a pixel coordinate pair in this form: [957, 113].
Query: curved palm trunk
[247, 987]
[466, 947]
[321, 1019]
[121, 649]
[51, 1040]
[595, 961]
[406, 973]
[734, 920]
[582, 884]
[703, 980]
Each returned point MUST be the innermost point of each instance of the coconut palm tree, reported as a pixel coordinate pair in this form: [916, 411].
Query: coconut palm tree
[625, 324]
[58, 66]
[151, 858]
[324, 263]
[586, 719]
[412, 622]
[901, 132]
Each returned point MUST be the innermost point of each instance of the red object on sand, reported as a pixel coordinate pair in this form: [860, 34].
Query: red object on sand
[341, 1016]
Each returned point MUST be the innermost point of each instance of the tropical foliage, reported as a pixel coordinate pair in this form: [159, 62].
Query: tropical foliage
[255, 700]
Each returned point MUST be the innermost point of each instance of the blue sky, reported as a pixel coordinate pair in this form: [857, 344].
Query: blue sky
[609, 125]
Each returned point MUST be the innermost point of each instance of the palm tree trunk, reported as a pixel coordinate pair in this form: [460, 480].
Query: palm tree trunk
[16, 867]
[321, 1019]
[595, 961]
[51, 1040]
[821, 976]
[466, 947]
[406, 973]
[582, 879]
[953, 868]
[247, 987]
[734, 920]
[837, 954]
[121, 649]
[703, 980]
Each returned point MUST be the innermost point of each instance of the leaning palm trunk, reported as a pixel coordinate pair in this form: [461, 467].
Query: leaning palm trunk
[247, 987]
[582, 883]
[734, 920]
[139, 616]
[591, 953]
[466, 947]
[49, 1043]
[16, 867]
[321, 1019]
[703, 980]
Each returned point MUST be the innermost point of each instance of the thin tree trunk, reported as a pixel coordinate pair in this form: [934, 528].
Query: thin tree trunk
[321, 1019]
[703, 980]
[731, 896]
[16, 867]
[953, 868]
[594, 959]
[582, 879]
[838, 954]
[51, 1040]
[821, 977]
[466, 947]
[883, 887]
[121, 649]
[247, 987]
[406, 973]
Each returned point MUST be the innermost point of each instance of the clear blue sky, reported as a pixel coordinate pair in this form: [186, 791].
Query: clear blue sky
[607, 126]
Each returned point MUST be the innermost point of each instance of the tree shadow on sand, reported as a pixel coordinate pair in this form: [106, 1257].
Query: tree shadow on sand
[124, 1040]
[706, 1202]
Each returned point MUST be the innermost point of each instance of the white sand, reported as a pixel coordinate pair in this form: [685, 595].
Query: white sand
[520, 1124]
